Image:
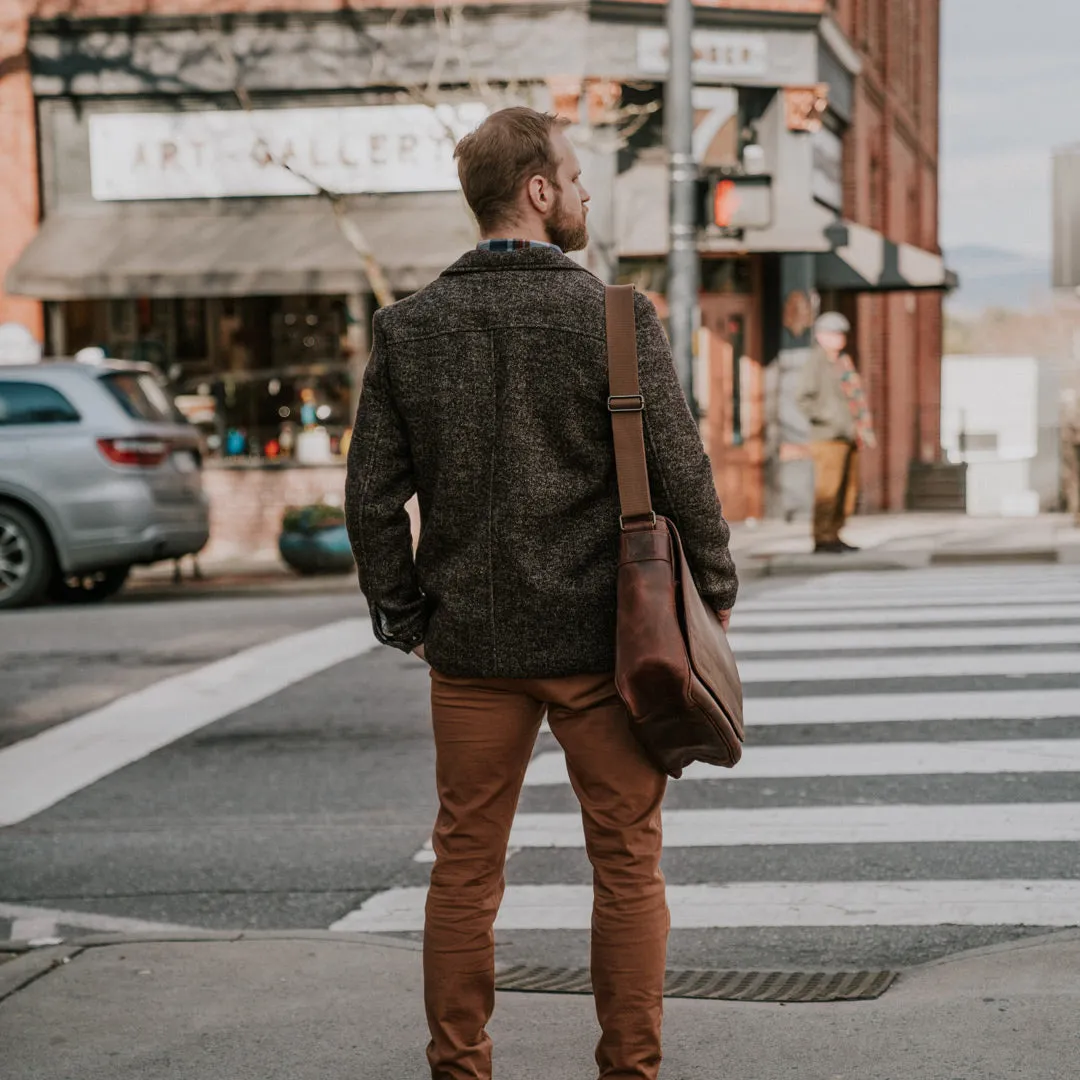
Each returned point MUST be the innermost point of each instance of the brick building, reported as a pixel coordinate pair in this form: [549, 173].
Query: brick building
[891, 184]
[122, 226]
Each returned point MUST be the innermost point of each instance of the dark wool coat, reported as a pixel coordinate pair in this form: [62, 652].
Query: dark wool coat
[486, 394]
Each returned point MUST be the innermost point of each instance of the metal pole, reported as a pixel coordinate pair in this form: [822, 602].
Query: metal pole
[683, 268]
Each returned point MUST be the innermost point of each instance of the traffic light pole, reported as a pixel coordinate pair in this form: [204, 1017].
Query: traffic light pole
[683, 267]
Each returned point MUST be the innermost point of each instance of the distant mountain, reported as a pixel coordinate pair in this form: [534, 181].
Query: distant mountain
[994, 278]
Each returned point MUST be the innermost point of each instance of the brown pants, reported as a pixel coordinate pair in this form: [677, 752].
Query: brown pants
[484, 735]
[836, 487]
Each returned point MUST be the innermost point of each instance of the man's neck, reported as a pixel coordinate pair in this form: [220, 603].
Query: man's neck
[537, 233]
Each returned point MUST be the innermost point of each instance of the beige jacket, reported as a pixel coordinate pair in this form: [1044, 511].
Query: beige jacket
[821, 399]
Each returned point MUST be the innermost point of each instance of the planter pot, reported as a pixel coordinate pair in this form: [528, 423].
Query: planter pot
[317, 551]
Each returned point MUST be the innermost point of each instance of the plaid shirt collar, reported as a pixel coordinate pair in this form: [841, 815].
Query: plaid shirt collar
[515, 245]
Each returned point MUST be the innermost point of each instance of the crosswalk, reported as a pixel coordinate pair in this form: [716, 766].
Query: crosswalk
[930, 716]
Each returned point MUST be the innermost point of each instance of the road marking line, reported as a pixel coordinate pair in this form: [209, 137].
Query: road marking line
[865, 759]
[773, 904]
[41, 771]
[997, 578]
[866, 668]
[32, 922]
[911, 598]
[912, 708]
[771, 826]
[820, 641]
[754, 618]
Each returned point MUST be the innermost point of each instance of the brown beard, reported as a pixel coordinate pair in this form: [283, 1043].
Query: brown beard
[567, 232]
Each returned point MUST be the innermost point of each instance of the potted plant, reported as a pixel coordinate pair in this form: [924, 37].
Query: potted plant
[314, 540]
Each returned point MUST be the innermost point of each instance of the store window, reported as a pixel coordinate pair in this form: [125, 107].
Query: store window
[265, 378]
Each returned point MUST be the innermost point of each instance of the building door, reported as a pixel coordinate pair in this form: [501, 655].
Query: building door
[732, 409]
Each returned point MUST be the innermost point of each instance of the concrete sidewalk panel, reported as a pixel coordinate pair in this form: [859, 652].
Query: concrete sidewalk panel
[246, 1010]
[317, 1009]
[31, 965]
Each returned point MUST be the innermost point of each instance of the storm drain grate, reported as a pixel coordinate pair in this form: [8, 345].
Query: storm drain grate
[775, 986]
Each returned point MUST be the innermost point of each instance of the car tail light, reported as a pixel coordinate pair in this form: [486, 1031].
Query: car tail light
[145, 452]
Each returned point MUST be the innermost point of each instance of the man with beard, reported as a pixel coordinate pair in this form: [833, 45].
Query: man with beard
[487, 395]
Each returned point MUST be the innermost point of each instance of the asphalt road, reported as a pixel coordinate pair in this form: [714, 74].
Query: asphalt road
[310, 808]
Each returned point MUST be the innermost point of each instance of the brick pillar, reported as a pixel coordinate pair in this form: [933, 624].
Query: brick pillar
[18, 163]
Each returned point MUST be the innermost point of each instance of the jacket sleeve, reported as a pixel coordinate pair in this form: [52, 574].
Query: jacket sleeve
[378, 484]
[680, 474]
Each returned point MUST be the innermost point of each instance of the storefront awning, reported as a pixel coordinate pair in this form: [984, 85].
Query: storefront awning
[863, 260]
[233, 248]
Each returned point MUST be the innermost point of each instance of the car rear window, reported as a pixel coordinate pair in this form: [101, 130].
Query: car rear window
[141, 397]
[34, 403]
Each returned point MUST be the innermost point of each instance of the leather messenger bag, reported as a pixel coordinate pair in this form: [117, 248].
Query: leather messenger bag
[674, 669]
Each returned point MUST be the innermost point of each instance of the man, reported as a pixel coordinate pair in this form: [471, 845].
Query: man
[831, 397]
[486, 394]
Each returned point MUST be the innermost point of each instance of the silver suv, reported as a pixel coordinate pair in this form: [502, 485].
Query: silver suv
[98, 472]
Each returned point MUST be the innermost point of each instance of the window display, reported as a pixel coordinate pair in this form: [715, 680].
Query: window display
[265, 378]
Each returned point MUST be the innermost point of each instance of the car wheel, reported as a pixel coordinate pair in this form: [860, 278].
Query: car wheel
[26, 558]
[89, 588]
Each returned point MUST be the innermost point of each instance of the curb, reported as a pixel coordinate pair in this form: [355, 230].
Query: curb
[808, 564]
[1016, 945]
[35, 962]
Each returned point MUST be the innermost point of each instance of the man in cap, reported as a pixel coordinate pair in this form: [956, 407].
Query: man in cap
[831, 397]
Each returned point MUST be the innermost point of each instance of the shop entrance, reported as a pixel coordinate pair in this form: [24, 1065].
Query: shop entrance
[733, 410]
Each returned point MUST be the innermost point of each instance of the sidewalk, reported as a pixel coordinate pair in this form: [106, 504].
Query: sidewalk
[889, 542]
[906, 541]
[317, 1006]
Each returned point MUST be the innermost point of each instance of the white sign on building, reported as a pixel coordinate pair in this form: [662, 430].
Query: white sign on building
[718, 54]
[828, 172]
[223, 154]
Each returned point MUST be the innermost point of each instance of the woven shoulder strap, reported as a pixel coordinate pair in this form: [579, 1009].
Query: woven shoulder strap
[626, 404]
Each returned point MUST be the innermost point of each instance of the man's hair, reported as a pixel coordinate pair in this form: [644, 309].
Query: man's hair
[508, 148]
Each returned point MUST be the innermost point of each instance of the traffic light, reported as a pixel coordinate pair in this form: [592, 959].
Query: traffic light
[732, 202]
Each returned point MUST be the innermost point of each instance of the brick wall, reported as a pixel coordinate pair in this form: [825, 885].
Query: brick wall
[892, 185]
[18, 160]
[247, 505]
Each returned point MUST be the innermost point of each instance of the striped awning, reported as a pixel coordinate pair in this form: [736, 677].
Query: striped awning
[863, 260]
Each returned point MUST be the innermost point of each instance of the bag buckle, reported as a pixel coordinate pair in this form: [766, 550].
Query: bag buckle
[638, 403]
[639, 519]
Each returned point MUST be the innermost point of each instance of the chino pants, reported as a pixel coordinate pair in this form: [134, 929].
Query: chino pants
[836, 487]
[484, 735]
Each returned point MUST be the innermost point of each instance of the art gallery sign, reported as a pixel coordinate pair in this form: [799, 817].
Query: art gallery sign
[268, 152]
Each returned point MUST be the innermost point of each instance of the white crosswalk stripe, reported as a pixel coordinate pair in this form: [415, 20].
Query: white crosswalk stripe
[957, 627]
[867, 759]
[774, 904]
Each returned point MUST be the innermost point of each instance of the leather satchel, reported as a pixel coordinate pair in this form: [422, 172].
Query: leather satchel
[674, 669]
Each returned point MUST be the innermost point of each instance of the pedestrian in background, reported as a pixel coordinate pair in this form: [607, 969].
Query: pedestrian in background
[831, 397]
[487, 395]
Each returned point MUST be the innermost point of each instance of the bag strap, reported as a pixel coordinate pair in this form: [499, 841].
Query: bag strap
[626, 405]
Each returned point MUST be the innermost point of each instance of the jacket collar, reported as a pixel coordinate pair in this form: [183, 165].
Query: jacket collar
[481, 262]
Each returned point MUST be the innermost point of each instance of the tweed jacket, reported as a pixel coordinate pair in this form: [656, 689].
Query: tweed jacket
[486, 394]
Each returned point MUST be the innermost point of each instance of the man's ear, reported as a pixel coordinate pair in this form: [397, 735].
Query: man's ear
[539, 193]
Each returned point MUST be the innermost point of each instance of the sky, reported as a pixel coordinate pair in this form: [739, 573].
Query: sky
[1010, 95]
